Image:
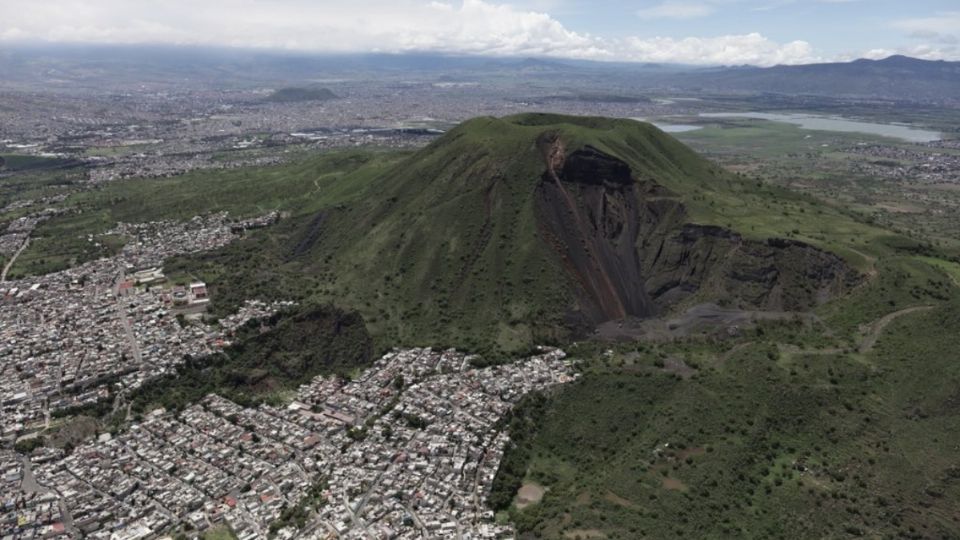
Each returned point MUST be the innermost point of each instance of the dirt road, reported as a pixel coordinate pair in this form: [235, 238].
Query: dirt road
[870, 339]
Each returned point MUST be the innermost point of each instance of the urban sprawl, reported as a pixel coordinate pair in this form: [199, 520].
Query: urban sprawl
[408, 448]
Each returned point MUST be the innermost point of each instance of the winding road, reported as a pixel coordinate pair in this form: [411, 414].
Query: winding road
[876, 329]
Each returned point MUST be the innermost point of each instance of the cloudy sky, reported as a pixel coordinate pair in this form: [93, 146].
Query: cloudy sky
[761, 32]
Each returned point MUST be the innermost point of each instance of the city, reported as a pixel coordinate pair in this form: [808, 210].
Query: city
[409, 446]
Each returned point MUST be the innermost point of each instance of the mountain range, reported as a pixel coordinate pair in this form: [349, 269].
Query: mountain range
[894, 78]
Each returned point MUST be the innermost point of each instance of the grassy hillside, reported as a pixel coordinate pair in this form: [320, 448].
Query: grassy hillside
[295, 189]
[447, 247]
[758, 438]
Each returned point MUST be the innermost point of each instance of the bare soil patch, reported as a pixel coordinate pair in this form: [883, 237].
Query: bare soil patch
[530, 493]
[691, 452]
[673, 484]
[620, 501]
[677, 366]
[584, 534]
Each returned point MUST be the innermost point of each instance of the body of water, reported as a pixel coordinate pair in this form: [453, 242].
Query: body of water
[671, 128]
[837, 123]
[677, 128]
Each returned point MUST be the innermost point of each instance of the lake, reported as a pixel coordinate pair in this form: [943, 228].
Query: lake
[837, 123]
[677, 128]
[671, 128]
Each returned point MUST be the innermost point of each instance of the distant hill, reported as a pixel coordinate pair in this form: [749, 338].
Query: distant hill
[896, 77]
[293, 95]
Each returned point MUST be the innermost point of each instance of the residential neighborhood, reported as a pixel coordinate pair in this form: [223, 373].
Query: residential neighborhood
[408, 448]
[69, 338]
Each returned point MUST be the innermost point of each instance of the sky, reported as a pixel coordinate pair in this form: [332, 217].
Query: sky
[703, 32]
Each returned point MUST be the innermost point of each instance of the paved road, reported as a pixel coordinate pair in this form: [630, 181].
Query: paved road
[128, 330]
[29, 484]
[419, 523]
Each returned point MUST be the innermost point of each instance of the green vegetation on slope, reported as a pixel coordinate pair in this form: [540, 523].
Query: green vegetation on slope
[762, 440]
[298, 188]
[267, 358]
[35, 184]
[447, 247]
[266, 361]
[19, 162]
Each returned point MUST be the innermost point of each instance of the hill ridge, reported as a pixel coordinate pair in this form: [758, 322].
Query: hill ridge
[538, 227]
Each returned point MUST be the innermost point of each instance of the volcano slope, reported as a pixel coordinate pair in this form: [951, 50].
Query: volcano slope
[538, 228]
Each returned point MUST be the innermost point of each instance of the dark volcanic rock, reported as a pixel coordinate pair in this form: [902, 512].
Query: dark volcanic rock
[588, 210]
[630, 250]
[682, 259]
[592, 167]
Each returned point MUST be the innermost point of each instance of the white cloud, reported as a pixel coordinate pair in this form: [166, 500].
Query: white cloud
[673, 9]
[876, 54]
[939, 36]
[944, 24]
[729, 50]
[452, 26]
[927, 51]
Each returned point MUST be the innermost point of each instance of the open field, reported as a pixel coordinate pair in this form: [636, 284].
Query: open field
[219, 533]
[292, 189]
[835, 169]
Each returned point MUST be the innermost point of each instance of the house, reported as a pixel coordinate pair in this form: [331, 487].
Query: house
[198, 290]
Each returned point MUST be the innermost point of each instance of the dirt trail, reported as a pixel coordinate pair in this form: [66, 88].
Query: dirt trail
[872, 272]
[877, 328]
[9, 265]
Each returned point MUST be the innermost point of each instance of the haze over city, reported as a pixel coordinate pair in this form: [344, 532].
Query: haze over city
[710, 32]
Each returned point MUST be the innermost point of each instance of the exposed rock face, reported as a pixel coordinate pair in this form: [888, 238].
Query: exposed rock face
[588, 211]
[775, 275]
[630, 250]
